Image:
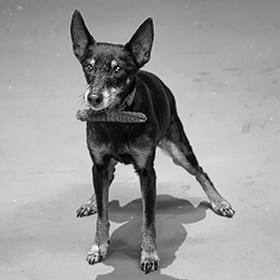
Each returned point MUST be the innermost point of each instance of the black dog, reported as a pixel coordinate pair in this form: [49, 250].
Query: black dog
[115, 82]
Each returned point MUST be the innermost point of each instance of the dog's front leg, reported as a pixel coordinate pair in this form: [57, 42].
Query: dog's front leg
[149, 257]
[102, 177]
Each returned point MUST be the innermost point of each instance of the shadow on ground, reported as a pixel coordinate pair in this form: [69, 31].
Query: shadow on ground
[124, 251]
[47, 239]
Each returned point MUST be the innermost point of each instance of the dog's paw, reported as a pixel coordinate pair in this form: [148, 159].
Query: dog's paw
[149, 261]
[97, 253]
[223, 208]
[87, 209]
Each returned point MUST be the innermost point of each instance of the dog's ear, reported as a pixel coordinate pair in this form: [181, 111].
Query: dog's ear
[140, 44]
[80, 35]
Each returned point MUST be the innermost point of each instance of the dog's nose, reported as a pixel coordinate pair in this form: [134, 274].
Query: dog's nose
[94, 99]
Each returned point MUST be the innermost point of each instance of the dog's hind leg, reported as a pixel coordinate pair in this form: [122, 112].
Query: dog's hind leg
[176, 144]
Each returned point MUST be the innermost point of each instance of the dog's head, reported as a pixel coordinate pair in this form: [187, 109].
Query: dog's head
[109, 68]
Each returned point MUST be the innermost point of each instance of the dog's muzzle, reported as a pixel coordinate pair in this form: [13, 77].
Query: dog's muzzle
[121, 116]
[94, 98]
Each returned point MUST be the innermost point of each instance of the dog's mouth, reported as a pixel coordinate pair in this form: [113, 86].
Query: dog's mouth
[111, 110]
[103, 101]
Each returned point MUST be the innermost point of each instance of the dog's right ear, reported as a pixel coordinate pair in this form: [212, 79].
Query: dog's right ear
[81, 38]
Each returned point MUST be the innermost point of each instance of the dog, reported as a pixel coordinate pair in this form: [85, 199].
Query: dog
[114, 79]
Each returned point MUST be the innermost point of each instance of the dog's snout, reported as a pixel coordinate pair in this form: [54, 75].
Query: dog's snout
[95, 99]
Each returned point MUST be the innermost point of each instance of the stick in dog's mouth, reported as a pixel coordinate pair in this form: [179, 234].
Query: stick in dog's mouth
[90, 115]
[118, 115]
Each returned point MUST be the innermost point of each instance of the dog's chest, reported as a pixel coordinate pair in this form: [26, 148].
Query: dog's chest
[126, 153]
[122, 145]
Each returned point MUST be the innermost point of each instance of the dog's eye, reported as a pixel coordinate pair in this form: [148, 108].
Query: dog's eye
[88, 67]
[118, 69]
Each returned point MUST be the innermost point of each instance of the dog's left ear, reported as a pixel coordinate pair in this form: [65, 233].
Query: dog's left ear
[140, 44]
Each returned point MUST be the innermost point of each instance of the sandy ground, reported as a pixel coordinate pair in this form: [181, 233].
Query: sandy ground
[222, 61]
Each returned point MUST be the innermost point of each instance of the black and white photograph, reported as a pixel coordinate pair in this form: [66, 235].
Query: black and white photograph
[139, 139]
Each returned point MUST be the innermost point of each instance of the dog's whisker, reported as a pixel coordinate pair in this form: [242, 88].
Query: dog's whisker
[80, 100]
